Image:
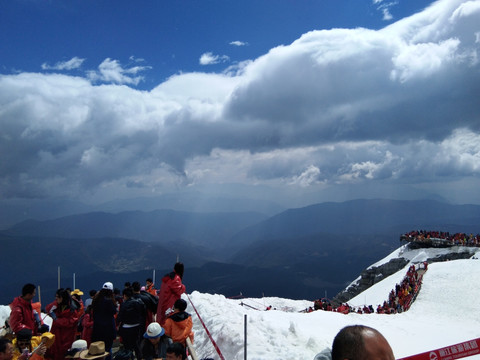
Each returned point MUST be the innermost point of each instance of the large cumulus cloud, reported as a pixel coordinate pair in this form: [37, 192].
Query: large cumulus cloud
[335, 106]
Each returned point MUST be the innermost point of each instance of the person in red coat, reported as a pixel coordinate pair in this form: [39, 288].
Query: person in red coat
[64, 325]
[87, 324]
[22, 316]
[170, 291]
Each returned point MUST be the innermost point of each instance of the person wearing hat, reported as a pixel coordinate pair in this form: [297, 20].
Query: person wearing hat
[77, 297]
[96, 350]
[103, 312]
[77, 347]
[34, 346]
[155, 342]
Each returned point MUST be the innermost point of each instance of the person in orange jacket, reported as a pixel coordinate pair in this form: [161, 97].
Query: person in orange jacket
[179, 325]
[150, 287]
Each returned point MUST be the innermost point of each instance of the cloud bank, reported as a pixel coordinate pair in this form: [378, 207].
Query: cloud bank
[340, 106]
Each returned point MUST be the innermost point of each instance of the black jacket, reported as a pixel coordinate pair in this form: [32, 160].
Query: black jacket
[131, 312]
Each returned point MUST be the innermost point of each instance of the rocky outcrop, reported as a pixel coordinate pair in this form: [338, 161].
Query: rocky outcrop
[375, 274]
[369, 277]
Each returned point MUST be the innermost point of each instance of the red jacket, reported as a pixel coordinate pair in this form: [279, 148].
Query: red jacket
[87, 323]
[64, 328]
[170, 291]
[21, 316]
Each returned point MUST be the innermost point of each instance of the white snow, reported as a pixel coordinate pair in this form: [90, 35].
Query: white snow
[446, 312]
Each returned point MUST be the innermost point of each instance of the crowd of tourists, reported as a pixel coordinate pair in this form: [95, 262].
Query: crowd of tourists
[459, 239]
[399, 299]
[149, 323]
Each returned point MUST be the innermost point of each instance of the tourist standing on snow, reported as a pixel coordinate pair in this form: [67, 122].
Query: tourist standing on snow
[22, 315]
[64, 325]
[170, 291]
[103, 313]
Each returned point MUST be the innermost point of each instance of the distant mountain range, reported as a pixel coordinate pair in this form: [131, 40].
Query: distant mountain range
[298, 253]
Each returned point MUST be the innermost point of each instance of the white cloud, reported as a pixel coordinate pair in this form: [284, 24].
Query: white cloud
[308, 177]
[238, 43]
[384, 8]
[73, 63]
[209, 59]
[340, 106]
[112, 71]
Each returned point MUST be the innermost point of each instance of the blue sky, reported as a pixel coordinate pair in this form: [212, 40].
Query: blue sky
[320, 100]
[168, 37]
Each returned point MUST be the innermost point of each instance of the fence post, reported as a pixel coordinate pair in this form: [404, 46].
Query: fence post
[245, 336]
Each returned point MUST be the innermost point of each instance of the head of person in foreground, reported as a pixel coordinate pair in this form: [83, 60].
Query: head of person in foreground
[358, 342]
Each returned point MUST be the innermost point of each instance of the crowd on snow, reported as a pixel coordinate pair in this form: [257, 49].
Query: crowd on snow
[399, 299]
[150, 323]
[459, 239]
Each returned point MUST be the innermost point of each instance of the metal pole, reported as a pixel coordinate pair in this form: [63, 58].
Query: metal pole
[74, 281]
[154, 276]
[245, 337]
[58, 275]
[39, 295]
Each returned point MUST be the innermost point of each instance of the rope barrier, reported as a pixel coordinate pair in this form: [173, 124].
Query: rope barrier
[206, 329]
[457, 351]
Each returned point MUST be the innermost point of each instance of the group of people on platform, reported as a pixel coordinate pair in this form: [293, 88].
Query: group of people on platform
[151, 324]
[399, 299]
[460, 239]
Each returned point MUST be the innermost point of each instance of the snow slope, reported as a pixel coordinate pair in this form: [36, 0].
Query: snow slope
[446, 312]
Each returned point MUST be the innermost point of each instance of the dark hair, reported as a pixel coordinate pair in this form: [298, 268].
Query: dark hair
[65, 296]
[349, 343]
[149, 280]
[179, 268]
[28, 289]
[24, 334]
[128, 292]
[92, 293]
[102, 294]
[136, 286]
[127, 284]
[180, 304]
[3, 344]
[177, 349]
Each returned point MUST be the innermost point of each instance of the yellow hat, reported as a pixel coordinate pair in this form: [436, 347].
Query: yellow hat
[76, 292]
[48, 339]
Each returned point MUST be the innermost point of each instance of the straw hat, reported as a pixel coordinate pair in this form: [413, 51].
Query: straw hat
[77, 292]
[95, 351]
